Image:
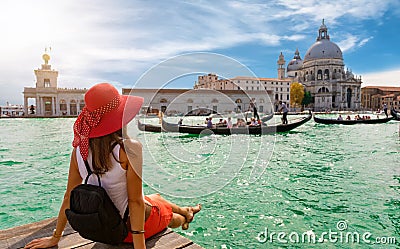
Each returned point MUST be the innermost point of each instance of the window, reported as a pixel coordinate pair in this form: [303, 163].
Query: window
[287, 97]
[63, 106]
[47, 83]
[81, 104]
[72, 108]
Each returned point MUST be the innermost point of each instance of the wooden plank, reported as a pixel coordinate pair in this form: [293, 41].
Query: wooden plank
[17, 237]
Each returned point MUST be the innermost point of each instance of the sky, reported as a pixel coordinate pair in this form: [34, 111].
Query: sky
[121, 41]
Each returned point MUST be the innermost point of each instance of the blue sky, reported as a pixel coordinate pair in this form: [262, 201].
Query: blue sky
[119, 41]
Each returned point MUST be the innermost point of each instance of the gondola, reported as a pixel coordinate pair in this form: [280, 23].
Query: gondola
[149, 127]
[257, 130]
[396, 115]
[157, 128]
[351, 122]
[267, 117]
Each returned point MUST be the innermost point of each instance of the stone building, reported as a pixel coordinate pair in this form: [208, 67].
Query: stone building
[373, 97]
[184, 101]
[50, 100]
[322, 73]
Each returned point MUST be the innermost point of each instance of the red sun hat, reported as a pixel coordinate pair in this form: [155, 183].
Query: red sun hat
[105, 112]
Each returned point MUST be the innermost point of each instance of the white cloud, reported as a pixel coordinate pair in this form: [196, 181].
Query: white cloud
[385, 78]
[118, 40]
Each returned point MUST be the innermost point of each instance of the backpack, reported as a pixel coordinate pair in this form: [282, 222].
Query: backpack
[93, 214]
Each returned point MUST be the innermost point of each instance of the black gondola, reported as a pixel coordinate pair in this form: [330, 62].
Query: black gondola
[157, 128]
[351, 122]
[396, 115]
[257, 130]
[149, 127]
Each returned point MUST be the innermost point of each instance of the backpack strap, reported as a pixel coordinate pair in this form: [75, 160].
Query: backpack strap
[90, 172]
[126, 215]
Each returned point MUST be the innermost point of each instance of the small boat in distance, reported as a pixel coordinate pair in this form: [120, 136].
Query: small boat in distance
[395, 114]
[351, 122]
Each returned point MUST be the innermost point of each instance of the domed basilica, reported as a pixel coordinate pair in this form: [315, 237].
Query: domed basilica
[322, 73]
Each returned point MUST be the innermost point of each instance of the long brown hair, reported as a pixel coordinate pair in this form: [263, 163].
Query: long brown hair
[101, 147]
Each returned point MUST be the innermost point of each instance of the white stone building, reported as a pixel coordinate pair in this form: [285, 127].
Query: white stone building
[185, 101]
[50, 100]
[322, 73]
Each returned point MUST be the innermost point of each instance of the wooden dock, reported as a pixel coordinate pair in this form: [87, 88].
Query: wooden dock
[17, 237]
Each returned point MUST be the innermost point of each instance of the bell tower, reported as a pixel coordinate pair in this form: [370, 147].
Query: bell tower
[45, 76]
[281, 66]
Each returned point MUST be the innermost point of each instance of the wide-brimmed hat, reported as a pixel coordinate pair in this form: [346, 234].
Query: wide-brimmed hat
[105, 112]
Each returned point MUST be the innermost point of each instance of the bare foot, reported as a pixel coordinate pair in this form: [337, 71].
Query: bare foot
[190, 215]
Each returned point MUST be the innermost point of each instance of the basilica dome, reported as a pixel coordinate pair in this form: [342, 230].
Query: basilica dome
[323, 48]
[296, 63]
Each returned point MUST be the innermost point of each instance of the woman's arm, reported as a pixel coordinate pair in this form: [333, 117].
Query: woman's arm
[74, 179]
[134, 160]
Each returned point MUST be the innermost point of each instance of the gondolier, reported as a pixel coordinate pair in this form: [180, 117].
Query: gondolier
[284, 110]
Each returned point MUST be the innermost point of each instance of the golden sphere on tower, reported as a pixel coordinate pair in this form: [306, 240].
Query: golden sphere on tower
[46, 58]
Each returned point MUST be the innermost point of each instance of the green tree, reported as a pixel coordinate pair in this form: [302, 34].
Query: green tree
[296, 94]
[307, 99]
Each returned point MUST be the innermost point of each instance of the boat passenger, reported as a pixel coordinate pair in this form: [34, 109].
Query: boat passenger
[348, 117]
[229, 123]
[385, 110]
[253, 122]
[180, 121]
[340, 117]
[99, 135]
[209, 123]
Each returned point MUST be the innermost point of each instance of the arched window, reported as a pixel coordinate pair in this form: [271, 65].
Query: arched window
[326, 74]
[238, 101]
[72, 108]
[323, 90]
[190, 100]
[214, 101]
[349, 93]
[81, 104]
[63, 106]
[319, 75]
[163, 100]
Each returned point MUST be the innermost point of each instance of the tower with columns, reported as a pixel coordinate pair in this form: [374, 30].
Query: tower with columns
[50, 100]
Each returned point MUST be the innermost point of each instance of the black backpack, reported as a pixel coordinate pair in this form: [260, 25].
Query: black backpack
[93, 214]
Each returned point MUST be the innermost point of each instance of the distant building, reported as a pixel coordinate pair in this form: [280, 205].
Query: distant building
[279, 89]
[12, 110]
[373, 97]
[50, 100]
[184, 101]
[322, 73]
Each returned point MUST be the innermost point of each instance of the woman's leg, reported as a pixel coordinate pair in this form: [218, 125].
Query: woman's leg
[182, 216]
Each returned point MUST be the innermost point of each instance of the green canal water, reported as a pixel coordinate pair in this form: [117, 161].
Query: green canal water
[271, 191]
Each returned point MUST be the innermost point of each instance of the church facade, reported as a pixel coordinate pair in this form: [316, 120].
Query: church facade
[50, 100]
[323, 74]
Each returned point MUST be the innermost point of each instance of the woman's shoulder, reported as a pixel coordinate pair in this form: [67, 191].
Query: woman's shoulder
[130, 146]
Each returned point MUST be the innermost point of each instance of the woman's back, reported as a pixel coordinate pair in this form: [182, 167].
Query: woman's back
[113, 181]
